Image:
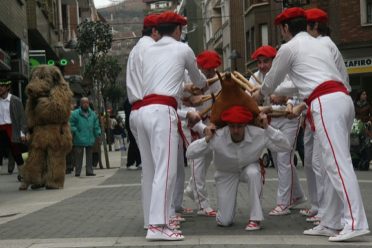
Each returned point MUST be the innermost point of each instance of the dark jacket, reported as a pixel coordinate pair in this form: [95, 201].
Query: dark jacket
[18, 117]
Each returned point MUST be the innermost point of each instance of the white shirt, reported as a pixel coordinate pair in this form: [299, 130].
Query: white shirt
[307, 62]
[134, 69]
[164, 65]
[259, 75]
[5, 110]
[340, 63]
[232, 157]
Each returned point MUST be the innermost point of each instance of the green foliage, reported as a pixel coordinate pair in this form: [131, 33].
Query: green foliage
[104, 69]
[94, 38]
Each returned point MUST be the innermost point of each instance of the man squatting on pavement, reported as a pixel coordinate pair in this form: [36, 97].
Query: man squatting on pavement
[237, 149]
[163, 67]
[312, 69]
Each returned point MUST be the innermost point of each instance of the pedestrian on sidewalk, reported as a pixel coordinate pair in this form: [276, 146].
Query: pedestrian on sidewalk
[133, 154]
[237, 149]
[85, 129]
[13, 127]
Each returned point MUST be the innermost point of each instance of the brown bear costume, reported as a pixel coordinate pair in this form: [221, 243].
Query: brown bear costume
[48, 111]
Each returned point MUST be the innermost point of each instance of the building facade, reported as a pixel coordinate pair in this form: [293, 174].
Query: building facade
[14, 43]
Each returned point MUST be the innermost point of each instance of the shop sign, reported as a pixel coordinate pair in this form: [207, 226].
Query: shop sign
[359, 65]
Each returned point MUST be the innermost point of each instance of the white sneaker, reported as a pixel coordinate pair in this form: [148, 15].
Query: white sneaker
[308, 212]
[132, 167]
[321, 231]
[162, 233]
[209, 212]
[253, 225]
[279, 210]
[346, 235]
[177, 218]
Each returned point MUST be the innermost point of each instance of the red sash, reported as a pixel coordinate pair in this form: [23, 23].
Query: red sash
[155, 99]
[325, 88]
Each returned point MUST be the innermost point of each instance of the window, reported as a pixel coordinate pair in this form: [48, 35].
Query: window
[369, 11]
[247, 4]
[247, 44]
[225, 11]
[264, 35]
[366, 12]
[253, 41]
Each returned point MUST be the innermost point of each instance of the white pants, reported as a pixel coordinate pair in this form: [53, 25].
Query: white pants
[133, 120]
[333, 116]
[196, 184]
[158, 143]
[227, 188]
[289, 187]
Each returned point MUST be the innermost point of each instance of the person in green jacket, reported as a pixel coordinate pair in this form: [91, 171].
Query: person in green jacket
[85, 129]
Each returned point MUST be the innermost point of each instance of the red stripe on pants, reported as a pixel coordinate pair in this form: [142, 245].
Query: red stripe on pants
[338, 168]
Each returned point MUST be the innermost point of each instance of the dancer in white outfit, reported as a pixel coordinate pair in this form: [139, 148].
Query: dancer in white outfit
[311, 66]
[317, 27]
[237, 149]
[196, 188]
[164, 64]
[135, 85]
[289, 191]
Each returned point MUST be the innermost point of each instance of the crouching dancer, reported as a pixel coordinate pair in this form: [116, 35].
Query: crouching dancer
[237, 148]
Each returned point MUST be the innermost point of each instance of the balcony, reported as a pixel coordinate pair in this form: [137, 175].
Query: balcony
[218, 35]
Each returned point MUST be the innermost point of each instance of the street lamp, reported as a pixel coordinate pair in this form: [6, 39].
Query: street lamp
[234, 56]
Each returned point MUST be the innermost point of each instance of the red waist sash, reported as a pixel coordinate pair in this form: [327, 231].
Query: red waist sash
[155, 99]
[325, 88]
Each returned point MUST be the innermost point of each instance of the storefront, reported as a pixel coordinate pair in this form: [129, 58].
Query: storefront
[360, 74]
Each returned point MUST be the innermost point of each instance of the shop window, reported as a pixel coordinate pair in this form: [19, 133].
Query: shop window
[366, 12]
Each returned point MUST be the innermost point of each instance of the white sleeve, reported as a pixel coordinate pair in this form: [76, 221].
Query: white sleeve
[199, 127]
[197, 149]
[286, 88]
[275, 140]
[182, 112]
[279, 69]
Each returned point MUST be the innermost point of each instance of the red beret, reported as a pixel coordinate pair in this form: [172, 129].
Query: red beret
[266, 51]
[171, 17]
[289, 14]
[316, 15]
[208, 60]
[150, 21]
[237, 114]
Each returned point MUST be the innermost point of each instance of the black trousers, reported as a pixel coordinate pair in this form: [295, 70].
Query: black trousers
[133, 155]
[14, 148]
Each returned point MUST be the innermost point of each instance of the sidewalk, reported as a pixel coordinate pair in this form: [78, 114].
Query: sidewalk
[105, 211]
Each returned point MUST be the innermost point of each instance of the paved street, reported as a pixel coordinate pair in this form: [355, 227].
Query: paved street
[105, 211]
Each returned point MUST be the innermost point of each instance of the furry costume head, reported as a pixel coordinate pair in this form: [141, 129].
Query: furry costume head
[49, 97]
[43, 79]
